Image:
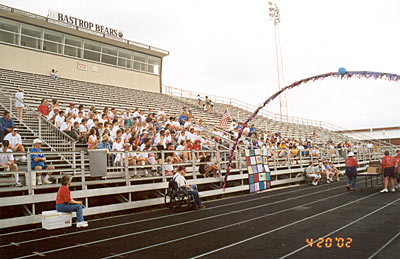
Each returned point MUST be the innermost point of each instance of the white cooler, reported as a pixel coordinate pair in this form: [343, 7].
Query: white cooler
[53, 219]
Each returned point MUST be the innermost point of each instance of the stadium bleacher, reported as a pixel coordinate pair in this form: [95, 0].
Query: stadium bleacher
[149, 190]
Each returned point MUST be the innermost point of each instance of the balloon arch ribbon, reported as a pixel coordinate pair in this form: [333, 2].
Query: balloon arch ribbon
[342, 74]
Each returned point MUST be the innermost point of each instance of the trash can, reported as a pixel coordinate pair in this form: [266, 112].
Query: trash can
[98, 162]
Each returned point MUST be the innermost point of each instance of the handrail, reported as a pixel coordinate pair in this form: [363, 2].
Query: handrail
[57, 140]
[173, 91]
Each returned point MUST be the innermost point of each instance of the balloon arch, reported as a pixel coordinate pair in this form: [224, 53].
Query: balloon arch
[342, 74]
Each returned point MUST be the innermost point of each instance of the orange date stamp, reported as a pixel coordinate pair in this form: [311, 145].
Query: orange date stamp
[329, 242]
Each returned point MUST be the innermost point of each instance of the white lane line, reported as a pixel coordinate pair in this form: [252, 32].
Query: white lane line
[183, 223]
[208, 202]
[157, 218]
[282, 227]
[385, 245]
[223, 227]
[343, 227]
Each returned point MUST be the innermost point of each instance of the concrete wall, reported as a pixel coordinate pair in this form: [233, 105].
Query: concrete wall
[32, 61]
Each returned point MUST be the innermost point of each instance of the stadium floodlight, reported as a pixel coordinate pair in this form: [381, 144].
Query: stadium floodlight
[274, 15]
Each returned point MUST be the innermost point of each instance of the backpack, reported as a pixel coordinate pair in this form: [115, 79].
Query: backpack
[173, 185]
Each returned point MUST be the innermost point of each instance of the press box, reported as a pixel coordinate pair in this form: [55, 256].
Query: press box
[53, 219]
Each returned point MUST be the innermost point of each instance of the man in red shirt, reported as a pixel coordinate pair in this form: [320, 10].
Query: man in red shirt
[388, 163]
[64, 203]
[351, 171]
[397, 167]
[43, 108]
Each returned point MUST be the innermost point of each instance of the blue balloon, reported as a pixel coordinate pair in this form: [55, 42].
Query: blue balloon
[342, 71]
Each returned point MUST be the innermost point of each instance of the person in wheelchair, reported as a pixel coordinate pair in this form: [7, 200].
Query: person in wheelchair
[179, 178]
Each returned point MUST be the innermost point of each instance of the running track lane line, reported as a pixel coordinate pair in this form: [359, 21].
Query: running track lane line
[166, 216]
[385, 245]
[343, 227]
[127, 215]
[174, 225]
[216, 229]
[282, 227]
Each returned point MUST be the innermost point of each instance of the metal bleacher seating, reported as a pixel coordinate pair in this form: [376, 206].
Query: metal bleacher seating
[149, 190]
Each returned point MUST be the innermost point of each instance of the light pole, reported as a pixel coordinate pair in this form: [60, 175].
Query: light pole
[274, 16]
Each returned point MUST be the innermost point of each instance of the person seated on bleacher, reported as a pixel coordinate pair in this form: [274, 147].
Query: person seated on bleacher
[71, 110]
[64, 202]
[321, 170]
[43, 108]
[37, 162]
[207, 167]
[6, 125]
[15, 142]
[332, 170]
[53, 74]
[182, 118]
[52, 115]
[161, 116]
[84, 130]
[310, 172]
[315, 152]
[7, 162]
[93, 141]
[179, 178]
[75, 133]
[59, 120]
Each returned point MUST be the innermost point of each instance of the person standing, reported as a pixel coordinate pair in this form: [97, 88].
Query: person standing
[64, 202]
[19, 102]
[351, 171]
[388, 164]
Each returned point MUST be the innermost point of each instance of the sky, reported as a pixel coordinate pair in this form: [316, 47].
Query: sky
[227, 48]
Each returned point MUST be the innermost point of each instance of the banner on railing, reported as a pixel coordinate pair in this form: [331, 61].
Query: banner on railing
[259, 173]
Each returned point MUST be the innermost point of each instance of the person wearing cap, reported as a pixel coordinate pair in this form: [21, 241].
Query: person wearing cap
[6, 125]
[7, 162]
[64, 202]
[179, 178]
[19, 102]
[388, 164]
[15, 142]
[351, 171]
[37, 162]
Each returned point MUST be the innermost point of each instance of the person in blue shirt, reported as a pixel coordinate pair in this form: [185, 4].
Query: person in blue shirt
[182, 118]
[6, 125]
[37, 162]
[105, 143]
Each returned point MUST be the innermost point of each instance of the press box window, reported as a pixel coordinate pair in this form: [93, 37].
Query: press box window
[53, 42]
[31, 36]
[124, 58]
[73, 46]
[139, 62]
[109, 55]
[9, 31]
[92, 50]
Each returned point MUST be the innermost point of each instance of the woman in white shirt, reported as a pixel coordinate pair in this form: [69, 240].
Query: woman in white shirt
[19, 102]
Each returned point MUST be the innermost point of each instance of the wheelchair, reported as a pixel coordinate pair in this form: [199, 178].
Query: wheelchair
[179, 199]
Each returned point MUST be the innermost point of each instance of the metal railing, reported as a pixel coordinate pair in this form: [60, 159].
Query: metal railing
[335, 130]
[40, 127]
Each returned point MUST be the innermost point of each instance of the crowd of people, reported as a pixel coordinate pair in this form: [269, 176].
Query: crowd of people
[141, 133]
